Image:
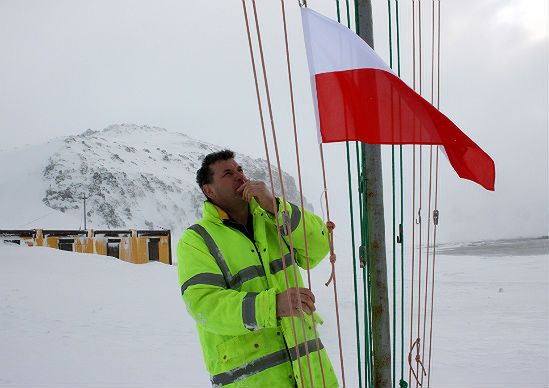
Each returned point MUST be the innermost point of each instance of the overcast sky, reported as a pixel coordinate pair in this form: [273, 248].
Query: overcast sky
[66, 66]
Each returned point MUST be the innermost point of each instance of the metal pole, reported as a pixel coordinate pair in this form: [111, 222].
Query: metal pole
[373, 199]
[84, 198]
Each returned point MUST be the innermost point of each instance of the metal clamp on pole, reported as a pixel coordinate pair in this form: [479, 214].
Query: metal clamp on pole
[362, 255]
[435, 216]
[399, 236]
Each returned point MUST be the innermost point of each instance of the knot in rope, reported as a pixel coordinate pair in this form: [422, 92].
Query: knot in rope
[418, 360]
[331, 226]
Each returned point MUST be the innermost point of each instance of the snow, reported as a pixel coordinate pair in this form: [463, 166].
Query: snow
[70, 319]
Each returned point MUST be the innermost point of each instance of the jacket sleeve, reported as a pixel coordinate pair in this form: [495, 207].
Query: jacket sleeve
[297, 221]
[208, 298]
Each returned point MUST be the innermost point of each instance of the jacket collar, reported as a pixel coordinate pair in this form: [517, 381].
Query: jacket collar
[213, 213]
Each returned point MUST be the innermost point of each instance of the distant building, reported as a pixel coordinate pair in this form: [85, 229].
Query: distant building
[133, 246]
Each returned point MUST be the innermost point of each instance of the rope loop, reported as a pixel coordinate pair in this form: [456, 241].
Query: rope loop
[418, 361]
[416, 342]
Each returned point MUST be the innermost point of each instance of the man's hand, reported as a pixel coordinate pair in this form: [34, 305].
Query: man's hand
[261, 193]
[307, 302]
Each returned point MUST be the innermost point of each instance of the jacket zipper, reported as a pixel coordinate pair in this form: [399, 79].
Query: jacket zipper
[261, 261]
[232, 226]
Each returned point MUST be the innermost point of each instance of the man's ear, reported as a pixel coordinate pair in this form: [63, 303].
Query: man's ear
[207, 190]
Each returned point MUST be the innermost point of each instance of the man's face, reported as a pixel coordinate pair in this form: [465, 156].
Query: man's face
[227, 176]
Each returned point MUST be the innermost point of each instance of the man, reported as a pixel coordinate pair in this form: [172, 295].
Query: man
[233, 284]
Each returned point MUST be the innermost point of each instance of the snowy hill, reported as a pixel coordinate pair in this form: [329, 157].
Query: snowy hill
[80, 320]
[135, 176]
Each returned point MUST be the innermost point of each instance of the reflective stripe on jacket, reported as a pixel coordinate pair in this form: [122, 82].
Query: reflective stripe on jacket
[229, 283]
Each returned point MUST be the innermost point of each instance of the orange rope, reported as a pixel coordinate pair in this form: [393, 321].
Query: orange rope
[285, 206]
[430, 186]
[419, 247]
[331, 227]
[296, 141]
[413, 192]
[271, 177]
[430, 190]
[427, 258]
[413, 251]
[436, 206]
[420, 69]
[433, 279]
[418, 362]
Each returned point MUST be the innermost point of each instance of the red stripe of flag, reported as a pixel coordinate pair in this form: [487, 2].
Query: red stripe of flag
[376, 107]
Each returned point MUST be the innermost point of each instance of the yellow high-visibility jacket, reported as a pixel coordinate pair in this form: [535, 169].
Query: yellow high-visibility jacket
[229, 283]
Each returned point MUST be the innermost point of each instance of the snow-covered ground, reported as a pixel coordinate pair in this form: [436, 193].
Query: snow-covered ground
[78, 320]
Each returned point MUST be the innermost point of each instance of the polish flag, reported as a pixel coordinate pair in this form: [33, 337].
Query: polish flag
[359, 98]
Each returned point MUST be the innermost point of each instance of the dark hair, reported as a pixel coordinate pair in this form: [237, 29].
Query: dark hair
[204, 174]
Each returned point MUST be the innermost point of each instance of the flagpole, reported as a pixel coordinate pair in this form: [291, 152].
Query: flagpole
[373, 200]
